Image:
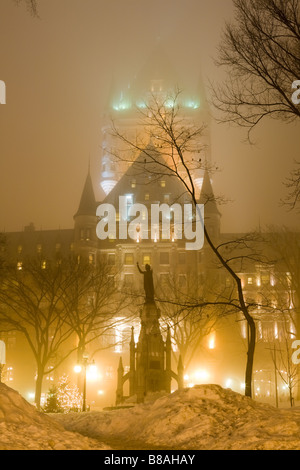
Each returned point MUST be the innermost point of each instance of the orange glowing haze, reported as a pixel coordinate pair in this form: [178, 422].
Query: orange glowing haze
[58, 71]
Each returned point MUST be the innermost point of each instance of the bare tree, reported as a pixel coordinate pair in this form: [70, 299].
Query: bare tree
[292, 183]
[92, 303]
[50, 304]
[282, 359]
[188, 326]
[31, 303]
[285, 244]
[177, 147]
[260, 52]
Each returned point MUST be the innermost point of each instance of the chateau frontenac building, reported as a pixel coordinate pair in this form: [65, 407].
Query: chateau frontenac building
[186, 349]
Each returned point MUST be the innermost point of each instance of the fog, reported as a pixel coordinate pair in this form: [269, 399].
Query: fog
[58, 70]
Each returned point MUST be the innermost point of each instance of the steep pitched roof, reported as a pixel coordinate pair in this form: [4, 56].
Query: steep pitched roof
[207, 196]
[149, 175]
[87, 205]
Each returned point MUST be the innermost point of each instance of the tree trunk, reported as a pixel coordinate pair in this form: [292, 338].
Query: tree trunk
[38, 388]
[250, 355]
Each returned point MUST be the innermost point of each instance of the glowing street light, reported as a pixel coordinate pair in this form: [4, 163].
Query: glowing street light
[77, 369]
[201, 375]
[88, 374]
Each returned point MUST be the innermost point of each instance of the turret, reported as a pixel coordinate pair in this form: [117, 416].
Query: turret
[85, 222]
[212, 216]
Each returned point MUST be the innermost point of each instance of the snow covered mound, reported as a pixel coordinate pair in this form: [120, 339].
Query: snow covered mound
[202, 417]
[22, 427]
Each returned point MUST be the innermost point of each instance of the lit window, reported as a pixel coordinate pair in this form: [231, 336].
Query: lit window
[129, 202]
[259, 330]
[10, 374]
[250, 280]
[91, 258]
[146, 259]
[43, 264]
[276, 336]
[265, 278]
[212, 341]
[133, 184]
[128, 259]
[19, 265]
[147, 196]
[118, 339]
[162, 184]
[243, 329]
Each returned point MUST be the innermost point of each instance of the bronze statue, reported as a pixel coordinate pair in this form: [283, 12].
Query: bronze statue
[148, 282]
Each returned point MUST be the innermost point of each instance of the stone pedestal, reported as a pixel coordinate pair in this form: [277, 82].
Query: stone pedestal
[150, 359]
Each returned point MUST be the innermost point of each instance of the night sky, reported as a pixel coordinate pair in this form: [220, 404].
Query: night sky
[58, 71]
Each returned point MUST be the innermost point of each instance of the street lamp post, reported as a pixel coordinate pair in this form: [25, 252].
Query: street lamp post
[2, 358]
[85, 363]
[78, 369]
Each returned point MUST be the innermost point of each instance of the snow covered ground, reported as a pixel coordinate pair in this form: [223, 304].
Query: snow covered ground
[202, 417]
[22, 427]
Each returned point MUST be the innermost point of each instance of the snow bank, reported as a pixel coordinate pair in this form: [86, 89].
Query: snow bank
[202, 417]
[22, 427]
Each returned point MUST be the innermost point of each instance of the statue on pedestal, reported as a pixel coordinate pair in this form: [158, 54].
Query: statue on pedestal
[148, 283]
[150, 358]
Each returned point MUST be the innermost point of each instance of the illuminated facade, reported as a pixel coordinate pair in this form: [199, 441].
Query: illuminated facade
[212, 350]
